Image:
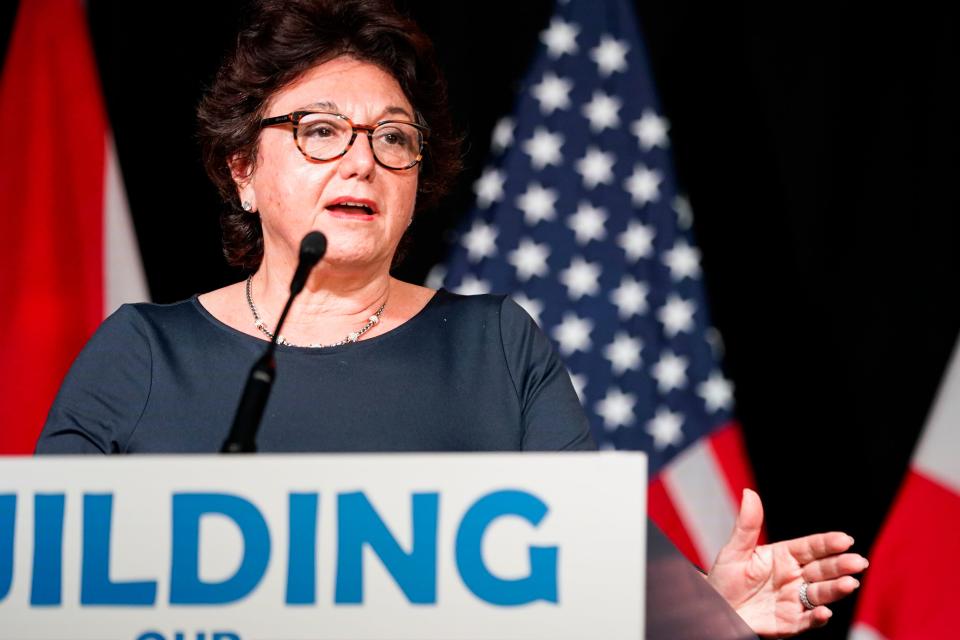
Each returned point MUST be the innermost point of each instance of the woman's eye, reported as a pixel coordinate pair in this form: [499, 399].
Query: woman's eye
[320, 131]
[393, 138]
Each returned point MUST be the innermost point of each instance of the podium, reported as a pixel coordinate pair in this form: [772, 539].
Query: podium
[686, 608]
[479, 546]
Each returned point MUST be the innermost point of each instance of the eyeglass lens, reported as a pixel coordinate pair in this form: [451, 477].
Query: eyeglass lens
[324, 136]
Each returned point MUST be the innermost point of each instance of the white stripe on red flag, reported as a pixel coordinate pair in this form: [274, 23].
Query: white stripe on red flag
[55, 179]
[694, 482]
[123, 277]
[695, 499]
[911, 590]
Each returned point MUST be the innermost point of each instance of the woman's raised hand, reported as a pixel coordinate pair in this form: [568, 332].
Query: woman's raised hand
[764, 584]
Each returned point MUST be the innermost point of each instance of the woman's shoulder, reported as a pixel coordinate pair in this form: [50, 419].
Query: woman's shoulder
[144, 325]
[141, 315]
[415, 302]
[510, 314]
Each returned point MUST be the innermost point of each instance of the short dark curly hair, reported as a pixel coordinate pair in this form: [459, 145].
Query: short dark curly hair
[282, 40]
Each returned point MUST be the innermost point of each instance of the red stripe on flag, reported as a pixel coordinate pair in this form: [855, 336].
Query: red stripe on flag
[730, 452]
[51, 198]
[664, 515]
[911, 588]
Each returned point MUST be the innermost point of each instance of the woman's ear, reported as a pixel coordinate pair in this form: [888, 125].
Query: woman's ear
[241, 170]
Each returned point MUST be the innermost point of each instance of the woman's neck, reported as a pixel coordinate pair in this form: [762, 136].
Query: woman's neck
[333, 304]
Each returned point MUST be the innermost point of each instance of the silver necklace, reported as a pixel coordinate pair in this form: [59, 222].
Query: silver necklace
[351, 337]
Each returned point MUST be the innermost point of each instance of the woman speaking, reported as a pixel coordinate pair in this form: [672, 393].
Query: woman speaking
[331, 116]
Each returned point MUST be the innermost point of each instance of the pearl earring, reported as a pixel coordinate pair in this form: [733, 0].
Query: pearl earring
[247, 206]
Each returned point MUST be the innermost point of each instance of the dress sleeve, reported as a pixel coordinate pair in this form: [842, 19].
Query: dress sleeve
[104, 393]
[553, 419]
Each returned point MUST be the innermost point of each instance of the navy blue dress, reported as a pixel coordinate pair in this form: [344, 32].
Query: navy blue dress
[468, 373]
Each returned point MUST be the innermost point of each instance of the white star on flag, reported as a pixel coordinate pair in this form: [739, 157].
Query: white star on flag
[665, 428]
[579, 381]
[684, 211]
[472, 286]
[581, 278]
[588, 223]
[616, 409]
[480, 241]
[573, 333]
[644, 185]
[602, 112]
[596, 167]
[670, 372]
[623, 353]
[489, 187]
[529, 259]
[715, 340]
[637, 240]
[552, 93]
[502, 134]
[435, 277]
[533, 307]
[717, 392]
[560, 38]
[537, 204]
[651, 130]
[683, 261]
[610, 55]
[630, 297]
[676, 315]
[544, 148]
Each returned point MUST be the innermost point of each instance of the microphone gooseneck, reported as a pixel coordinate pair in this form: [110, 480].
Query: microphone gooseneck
[246, 422]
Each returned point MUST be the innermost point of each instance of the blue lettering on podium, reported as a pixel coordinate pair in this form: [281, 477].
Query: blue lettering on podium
[302, 556]
[358, 524]
[181, 635]
[185, 584]
[47, 549]
[541, 584]
[8, 523]
[95, 585]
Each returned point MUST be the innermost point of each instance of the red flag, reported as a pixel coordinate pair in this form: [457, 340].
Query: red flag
[63, 211]
[911, 590]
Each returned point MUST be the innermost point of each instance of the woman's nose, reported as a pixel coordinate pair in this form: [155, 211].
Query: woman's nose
[359, 160]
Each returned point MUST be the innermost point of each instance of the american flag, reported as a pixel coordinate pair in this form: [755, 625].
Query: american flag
[578, 217]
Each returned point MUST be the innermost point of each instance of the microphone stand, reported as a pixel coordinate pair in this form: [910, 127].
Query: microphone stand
[246, 422]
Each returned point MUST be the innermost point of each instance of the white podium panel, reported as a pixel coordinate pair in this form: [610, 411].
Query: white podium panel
[323, 547]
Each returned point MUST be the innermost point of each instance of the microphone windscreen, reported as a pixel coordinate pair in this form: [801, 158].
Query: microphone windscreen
[312, 248]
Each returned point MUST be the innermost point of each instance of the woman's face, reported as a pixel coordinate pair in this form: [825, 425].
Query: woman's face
[295, 195]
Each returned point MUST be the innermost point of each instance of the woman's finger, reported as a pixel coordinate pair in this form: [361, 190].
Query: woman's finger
[834, 567]
[820, 593]
[819, 545]
[817, 617]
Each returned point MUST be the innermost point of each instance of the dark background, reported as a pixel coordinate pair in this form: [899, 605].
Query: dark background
[819, 147]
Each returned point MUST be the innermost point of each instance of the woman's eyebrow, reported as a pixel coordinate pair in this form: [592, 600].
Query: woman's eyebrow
[329, 105]
[392, 110]
[323, 105]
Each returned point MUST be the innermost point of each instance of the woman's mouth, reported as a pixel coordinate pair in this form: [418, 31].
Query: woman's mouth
[352, 207]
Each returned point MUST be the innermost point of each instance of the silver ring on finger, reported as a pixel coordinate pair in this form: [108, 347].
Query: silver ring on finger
[803, 596]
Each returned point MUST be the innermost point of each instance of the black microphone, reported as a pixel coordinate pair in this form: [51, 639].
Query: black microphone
[246, 422]
[312, 248]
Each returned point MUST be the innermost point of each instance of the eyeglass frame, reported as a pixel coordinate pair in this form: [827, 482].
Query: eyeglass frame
[294, 117]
